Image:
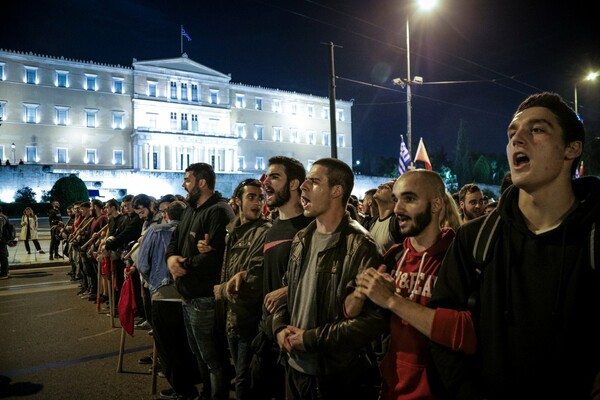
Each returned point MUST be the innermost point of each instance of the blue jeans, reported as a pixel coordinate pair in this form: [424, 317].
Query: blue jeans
[203, 337]
[241, 352]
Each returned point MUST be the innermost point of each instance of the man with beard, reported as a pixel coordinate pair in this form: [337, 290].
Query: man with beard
[194, 258]
[407, 289]
[282, 183]
[241, 287]
[470, 199]
[328, 355]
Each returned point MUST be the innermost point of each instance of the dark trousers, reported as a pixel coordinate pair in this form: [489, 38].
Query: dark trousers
[311, 387]
[54, 241]
[176, 358]
[3, 259]
[35, 243]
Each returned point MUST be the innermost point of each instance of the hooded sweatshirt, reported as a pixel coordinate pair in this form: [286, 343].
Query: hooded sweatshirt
[404, 367]
[537, 317]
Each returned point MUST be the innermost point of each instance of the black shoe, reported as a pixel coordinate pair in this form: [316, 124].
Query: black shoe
[28, 252]
[58, 256]
[41, 252]
[168, 394]
[92, 297]
[51, 258]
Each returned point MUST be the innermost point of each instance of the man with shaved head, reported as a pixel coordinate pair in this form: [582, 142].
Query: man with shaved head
[406, 290]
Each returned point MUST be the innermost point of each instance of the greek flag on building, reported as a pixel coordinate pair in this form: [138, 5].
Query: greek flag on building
[404, 160]
[185, 35]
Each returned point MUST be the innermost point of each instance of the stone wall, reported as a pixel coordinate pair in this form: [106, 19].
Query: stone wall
[117, 183]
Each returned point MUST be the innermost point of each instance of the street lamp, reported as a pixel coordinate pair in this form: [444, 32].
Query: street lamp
[589, 77]
[424, 5]
[13, 148]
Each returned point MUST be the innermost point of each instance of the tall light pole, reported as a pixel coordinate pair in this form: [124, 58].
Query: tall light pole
[13, 148]
[423, 5]
[589, 77]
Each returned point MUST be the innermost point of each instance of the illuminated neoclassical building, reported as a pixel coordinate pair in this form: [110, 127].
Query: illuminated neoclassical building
[155, 116]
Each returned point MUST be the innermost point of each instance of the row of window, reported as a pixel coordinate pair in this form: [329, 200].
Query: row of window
[62, 79]
[311, 137]
[62, 116]
[61, 156]
[240, 102]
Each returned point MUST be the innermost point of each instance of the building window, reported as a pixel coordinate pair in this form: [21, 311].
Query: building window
[258, 103]
[340, 141]
[2, 78]
[294, 135]
[62, 156]
[62, 79]
[310, 137]
[294, 108]
[118, 120]
[184, 122]
[90, 82]
[31, 113]
[258, 132]
[325, 112]
[117, 85]
[173, 121]
[194, 92]
[31, 154]
[152, 89]
[311, 110]
[90, 118]
[214, 96]
[174, 90]
[277, 137]
[62, 116]
[326, 139]
[31, 75]
[241, 130]
[241, 163]
[195, 122]
[118, 157]
[340, 114]
[2, 152]
[276, 105]
[260, 163]
[184, 92]
[154, 160]
[2, 112]
[239, 101]
[90, 156]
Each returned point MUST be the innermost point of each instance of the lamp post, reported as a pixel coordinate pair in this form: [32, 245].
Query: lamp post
[589, 77]
[13, 148]
[423, 5]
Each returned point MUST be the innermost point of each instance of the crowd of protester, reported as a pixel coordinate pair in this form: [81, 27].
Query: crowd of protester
[293, 288]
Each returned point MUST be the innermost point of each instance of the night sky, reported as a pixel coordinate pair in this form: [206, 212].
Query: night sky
[495, 53]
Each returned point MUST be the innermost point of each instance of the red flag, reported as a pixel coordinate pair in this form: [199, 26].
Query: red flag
[262, 180]
[421, 155]
[127, 305]
[581, 169]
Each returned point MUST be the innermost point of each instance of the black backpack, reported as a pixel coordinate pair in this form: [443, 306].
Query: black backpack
[9, 233]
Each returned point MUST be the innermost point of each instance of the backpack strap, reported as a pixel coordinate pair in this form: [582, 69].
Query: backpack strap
[484, 239]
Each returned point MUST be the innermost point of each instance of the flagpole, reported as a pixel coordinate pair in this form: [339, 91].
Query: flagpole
[181, 37]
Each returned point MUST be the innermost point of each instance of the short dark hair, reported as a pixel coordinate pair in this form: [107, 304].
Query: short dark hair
[127, 198]
[86, 204]
[467, 188]
[167, 198]
[203, 171]
[338, 173]
[112, 203]
[239, 190]
[175, 210]
[568, 120]
[293, 168]
[142, 200]
[97, 203]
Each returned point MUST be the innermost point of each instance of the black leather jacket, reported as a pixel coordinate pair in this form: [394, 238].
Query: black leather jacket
[341, 344]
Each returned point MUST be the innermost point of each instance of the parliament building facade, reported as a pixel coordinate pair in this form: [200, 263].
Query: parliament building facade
[156, 116]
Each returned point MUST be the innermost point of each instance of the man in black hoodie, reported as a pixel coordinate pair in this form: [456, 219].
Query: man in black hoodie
[535, 305]
[194, 258]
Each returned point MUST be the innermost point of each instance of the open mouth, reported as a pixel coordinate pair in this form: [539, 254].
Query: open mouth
[305, 202]
[520, 159]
